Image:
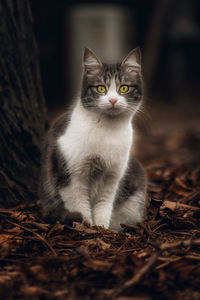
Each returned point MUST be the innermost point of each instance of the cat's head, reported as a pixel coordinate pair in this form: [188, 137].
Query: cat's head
[112, 89]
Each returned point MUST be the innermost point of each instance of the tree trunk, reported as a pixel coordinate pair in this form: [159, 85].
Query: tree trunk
[22, 114]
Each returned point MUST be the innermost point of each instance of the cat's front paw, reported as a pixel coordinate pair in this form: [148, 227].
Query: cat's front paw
[88, 219]
[69, 217]
[89, 222]
[102, 221]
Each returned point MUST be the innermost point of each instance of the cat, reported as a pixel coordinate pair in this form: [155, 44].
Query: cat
[88, 172]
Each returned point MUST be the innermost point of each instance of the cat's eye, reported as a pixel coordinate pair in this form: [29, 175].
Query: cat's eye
[124, 88]
[101, 89]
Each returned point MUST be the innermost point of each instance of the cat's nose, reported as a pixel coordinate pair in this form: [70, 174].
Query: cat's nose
[113, 101]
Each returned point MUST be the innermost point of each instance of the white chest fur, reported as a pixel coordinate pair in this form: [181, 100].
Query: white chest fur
[87, 135]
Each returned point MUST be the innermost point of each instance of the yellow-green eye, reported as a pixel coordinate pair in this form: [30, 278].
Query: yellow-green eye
[101, 89]
[124, 88]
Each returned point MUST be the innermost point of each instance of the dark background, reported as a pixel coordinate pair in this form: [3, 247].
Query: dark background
[168, 33]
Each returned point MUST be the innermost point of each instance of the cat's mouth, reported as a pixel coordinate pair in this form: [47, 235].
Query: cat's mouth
[114, 110]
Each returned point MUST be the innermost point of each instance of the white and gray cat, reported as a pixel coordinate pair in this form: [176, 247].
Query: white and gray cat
[88, 172]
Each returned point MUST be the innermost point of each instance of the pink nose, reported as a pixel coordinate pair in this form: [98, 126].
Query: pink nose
[113, 101]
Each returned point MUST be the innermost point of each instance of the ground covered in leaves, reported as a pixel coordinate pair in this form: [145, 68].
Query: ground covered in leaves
[159, 259]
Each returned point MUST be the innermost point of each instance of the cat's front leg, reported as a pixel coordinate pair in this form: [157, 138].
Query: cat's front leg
[76, 199]
[103, 206]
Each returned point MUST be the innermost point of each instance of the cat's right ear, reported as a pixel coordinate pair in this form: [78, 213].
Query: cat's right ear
[133, 58]
[91, 63]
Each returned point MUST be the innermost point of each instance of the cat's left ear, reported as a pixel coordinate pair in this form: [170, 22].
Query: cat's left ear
[133, 58]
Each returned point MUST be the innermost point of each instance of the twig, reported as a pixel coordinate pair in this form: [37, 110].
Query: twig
[136, 278]
[184, 243]
[36, 235]
[166, 246]
[194, 257]
[166, 263]
[177, 205]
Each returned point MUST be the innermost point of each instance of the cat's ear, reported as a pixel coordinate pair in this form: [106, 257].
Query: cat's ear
[133, 58]
[91, 62]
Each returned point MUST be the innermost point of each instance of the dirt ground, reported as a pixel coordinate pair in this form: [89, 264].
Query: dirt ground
[159, 259]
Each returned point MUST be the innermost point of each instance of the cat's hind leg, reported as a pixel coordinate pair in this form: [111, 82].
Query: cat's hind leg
[130, 202]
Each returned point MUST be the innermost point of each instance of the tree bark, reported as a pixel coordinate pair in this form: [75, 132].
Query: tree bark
[23, 113]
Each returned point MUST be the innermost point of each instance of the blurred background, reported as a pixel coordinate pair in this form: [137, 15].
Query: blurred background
[167, 31]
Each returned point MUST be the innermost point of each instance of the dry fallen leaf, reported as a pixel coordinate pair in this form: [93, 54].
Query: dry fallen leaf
[83, 228]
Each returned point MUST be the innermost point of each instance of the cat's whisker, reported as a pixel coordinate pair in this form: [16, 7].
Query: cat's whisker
[144, 117]
[143, 112]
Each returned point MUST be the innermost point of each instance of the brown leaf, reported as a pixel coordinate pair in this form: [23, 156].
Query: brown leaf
[97, 243]
[56, 229]
[180, 188]
[83, 228]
